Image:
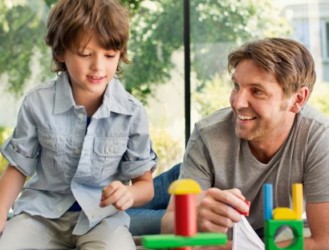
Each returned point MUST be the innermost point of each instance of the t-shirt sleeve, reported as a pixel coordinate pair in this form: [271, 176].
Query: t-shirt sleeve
[197, 164]
[316, 176]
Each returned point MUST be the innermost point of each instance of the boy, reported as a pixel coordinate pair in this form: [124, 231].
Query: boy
[81, 138]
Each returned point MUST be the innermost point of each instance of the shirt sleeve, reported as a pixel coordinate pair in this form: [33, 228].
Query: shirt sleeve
[197, 164]
[316, 174]
[22, 147]
[139, 156]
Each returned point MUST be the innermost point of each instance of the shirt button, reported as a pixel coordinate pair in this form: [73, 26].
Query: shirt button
[77, 151]
[81, 116]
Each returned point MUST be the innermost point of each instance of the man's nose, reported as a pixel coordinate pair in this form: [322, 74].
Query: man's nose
[240, 99]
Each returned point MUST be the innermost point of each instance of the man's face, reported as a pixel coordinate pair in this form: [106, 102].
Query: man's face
[261, 109]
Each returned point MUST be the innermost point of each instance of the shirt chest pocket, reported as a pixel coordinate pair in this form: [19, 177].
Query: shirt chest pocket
[51, 140]
[107, 154]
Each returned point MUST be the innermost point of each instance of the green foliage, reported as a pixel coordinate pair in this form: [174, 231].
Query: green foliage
[167, 149]
[22, 32]
[213, 96]
[4, 134]
[319, 97]
[157, 31]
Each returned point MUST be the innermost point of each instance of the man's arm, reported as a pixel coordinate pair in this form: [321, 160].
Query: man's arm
[11, 184]
[318, 221]
[167, 221]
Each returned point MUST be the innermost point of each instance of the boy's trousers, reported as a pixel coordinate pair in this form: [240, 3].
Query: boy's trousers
[35, 232]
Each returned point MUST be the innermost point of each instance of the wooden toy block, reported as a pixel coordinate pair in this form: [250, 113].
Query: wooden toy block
[297, 206]
[268, 201]
[184, 191]
[186, 235]
[246, 213]
[185, 215]
[297, 199]
[284, 213]
[283, 217]
[174, 241]
[272, 226]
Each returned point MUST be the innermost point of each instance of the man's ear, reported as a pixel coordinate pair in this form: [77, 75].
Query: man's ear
[300, 98]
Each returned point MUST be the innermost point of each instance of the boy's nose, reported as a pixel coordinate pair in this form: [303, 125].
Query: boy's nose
[97, 63]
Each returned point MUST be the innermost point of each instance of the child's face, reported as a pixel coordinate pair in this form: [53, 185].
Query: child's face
[90, 67]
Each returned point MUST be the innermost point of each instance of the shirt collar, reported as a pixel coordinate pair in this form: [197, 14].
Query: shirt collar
[63, 94]
[116, 99]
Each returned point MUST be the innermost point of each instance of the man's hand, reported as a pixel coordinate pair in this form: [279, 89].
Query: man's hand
[3, 220]
[219, 209]
[118, 195]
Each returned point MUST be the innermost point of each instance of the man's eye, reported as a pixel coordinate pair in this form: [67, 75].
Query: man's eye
[258, 92]
[236, 86]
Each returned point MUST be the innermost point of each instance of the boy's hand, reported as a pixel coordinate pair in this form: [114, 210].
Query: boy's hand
[118, 195]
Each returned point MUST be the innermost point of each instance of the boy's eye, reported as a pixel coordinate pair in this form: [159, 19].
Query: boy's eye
[110, 56]
[83, 54]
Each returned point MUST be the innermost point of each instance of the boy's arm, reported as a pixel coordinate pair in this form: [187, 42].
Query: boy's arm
[123, 197]
[11, 184]
[142, 189]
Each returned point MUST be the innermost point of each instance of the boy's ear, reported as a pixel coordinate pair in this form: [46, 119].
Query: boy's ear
[300, 98]
[60, 58]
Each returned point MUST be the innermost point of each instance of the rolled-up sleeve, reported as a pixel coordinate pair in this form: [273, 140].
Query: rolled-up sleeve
[21, 149]
[139, 156]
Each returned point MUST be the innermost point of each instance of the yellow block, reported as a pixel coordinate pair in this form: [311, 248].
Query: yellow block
[184, 186]
[297, 199]
[284, 213]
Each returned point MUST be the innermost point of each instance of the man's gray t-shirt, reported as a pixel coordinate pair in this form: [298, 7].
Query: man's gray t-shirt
[216, 157]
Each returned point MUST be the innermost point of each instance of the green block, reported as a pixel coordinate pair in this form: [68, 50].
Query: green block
[176, 241]
[297, 244]
[271, 227]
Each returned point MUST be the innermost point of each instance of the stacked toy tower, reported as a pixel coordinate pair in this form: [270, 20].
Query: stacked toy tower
[281, 217]
[186, 234]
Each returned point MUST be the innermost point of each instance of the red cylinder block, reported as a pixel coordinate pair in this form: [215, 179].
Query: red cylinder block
[185, 215]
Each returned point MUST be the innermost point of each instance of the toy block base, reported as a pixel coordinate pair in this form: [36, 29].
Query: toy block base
[175, 241]
[272, 226]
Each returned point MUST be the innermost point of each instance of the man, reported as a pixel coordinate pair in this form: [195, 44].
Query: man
[269, 135]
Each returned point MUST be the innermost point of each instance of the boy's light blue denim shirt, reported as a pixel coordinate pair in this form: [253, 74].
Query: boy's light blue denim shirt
[67, 163]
